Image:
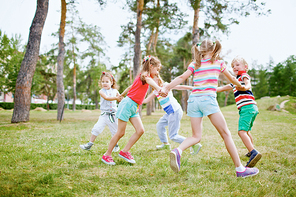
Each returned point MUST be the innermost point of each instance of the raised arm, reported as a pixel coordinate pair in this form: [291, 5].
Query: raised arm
[224, 88]
[149, 98]
[231, 78]
[126, 91]
[112, 98]
[247, 85]
[152, 83]
[165, 90]
[182, 87]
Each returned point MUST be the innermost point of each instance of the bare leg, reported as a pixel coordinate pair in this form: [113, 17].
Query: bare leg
[246, 140]
[219, 122]
[137, 123]
[92, 138]
[119, 134]
[196, 125]
[250, 136]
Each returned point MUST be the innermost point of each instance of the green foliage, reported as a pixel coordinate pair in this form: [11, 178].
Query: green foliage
[11, 56]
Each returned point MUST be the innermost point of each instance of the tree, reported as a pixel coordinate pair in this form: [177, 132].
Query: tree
[60, 60]
[22, 98]
[11, 56]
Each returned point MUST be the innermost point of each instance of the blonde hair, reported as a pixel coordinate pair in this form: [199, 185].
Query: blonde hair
[110, 76]
[241, 60]
[200, 50]
[147, 61]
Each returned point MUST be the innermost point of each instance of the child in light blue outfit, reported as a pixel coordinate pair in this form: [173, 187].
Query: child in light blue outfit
[172, 118]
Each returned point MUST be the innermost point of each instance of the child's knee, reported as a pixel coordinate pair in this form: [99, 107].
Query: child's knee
[140, 131]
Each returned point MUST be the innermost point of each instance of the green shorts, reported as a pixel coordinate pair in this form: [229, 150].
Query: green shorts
[127, 109]
[247, 115]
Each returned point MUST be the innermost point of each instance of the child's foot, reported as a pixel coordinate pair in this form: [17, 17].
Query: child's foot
[86, 146]
[248, 154]
[254, 158]
[116, 148]
[108, 160]
[248, 172]
[175, 160]
[126, 156]
[195, 149]
[163, 146]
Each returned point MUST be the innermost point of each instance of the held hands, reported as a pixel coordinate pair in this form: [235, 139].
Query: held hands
[242, 88]
[163, 91]
[119, 97]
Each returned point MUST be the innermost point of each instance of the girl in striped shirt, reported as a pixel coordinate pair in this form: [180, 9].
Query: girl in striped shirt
[206, 68]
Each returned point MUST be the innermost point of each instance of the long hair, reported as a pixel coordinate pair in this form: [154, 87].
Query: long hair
[110, 76]
[199, 51]
[147, 61]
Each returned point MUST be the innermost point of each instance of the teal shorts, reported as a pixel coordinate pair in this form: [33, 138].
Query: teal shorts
[247, 115]
[127, 109]
[199, 106]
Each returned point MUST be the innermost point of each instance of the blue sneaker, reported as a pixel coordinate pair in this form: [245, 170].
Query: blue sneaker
[254, 158]
[175, 160]
[248, 172]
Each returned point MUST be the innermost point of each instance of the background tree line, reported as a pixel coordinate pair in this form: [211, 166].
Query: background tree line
[76, 69]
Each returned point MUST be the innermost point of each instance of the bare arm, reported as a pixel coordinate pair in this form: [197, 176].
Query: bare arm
[247, 85]
[231, 78]
[112, 98]
[152, 83]
[126, 91]
[224, 88]
[182, 87]
[176, 81]
[149, 98]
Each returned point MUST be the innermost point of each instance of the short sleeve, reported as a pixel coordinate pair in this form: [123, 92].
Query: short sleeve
[222, 66]
[191, 67]
[245, 75]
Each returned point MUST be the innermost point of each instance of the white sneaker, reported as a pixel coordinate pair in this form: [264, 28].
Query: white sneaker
[86, 146]
[116, 148]
[195, 149]
[163, 146]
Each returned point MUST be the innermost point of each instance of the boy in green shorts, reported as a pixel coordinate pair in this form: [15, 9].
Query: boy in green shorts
[247, 107]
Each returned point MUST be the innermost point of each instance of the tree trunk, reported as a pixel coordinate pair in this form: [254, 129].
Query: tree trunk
[22, 96]
[195, 29]
[137, 49]
[74, 86]
[226, 97]
[96, 99]
[149, 104]
[60, 60]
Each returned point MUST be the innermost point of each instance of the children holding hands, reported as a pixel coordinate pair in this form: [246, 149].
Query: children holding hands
[206, 68]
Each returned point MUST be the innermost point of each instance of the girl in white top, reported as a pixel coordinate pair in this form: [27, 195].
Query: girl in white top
[172, 118]
[109, 95]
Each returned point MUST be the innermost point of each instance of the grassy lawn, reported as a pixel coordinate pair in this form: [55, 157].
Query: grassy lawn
[43, 158]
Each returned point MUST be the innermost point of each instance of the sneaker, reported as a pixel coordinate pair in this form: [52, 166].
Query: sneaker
[195, 148]
[108, 160]
[248, 154]
[116, 148]
[248, 172]
[163, 146]
[175, 160]
[86, 146]
[254, 158]
[126, 156]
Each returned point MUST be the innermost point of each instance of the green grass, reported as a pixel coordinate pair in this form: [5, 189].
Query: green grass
[43, 158]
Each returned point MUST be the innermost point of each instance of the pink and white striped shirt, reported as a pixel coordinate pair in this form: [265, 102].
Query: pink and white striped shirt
[205, 78]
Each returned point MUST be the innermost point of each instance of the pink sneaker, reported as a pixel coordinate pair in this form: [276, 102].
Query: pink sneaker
[127, 156]
[108, 160]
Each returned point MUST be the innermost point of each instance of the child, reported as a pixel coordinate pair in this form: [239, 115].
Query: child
[246, 105]
[128, 109]
[172, 118]
[109, 95]
[202, 102]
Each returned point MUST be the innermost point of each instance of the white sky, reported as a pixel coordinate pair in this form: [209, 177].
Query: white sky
[255, 38]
